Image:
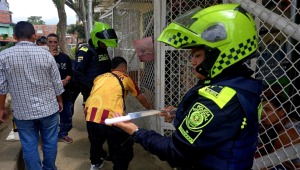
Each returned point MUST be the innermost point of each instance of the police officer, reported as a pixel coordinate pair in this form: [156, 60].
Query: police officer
[217, 120]
[93, 59]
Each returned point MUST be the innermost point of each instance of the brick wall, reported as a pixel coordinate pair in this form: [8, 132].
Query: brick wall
[5, 17]
[44, 30]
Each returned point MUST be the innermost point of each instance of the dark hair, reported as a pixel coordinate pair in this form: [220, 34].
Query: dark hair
[53, 35]
[24, 29]
[116, 61]
[41, 40]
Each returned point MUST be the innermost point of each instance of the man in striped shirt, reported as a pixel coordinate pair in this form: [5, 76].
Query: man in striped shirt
[30, 74]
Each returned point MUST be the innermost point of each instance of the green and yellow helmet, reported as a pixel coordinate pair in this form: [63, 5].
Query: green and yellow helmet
[227, 32]
[104, 33]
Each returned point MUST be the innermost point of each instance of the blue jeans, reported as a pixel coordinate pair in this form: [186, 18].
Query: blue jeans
[29, 136]
[65, 123]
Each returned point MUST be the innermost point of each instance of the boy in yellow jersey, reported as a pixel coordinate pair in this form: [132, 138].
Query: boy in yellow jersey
[106, 98]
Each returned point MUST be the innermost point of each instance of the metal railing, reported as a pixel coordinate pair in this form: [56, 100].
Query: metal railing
[167, 78]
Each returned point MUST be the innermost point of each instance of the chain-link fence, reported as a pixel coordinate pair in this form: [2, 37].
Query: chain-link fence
[168, 77]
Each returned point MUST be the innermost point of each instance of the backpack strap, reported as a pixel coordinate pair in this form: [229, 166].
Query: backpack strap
[123, 89]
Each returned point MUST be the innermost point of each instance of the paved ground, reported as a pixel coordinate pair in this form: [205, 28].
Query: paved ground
[74, 156]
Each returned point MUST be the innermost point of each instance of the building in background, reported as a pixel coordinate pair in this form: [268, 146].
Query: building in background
[44, 30]
[6, 25]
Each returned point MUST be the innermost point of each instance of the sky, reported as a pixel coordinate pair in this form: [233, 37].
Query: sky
[22, 9]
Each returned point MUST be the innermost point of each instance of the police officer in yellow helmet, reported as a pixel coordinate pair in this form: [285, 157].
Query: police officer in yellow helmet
[217, 120]
[93, 59]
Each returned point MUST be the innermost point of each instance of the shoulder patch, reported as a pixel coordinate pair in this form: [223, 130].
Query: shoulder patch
[221, 95]
[79, 59]
[191, 127]
[83, 48]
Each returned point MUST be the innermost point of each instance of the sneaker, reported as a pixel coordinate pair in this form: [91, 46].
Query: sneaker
[65, 139]
[97, 166]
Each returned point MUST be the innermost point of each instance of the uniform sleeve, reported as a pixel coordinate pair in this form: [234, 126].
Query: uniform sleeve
[3, 82]
[193, 139]
[55, 77]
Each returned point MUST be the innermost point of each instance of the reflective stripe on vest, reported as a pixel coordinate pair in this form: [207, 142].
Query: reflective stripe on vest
[220, 95]
[84, 48]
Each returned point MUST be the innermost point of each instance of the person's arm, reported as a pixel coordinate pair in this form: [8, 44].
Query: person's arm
[4, 91]
[55, 77]
[141, 98]
[221, 127]
[68, 78]
[83, 59]
[60, 103]
[169, 114]
[56, 82]
[3, 109]
[131, 86]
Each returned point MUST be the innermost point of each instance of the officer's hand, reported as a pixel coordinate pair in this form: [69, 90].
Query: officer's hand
[169, 113]
[127, 126]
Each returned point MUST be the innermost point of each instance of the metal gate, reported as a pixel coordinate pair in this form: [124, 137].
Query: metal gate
[167, 78]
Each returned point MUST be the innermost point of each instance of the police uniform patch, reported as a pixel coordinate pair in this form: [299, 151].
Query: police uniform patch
[191, 127]
[84, 48]
[80, 58]
[219, 94]
[103, 57]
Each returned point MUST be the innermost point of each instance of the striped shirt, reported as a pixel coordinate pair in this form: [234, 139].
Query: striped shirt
[30, 74]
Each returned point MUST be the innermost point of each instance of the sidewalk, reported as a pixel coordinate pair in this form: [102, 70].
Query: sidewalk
[9, 150]
[74, 156]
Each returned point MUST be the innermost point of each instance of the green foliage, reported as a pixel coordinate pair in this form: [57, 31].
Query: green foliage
[10, 44]
[4, 36]
[72, 52]
[36, 20]
[77, 29]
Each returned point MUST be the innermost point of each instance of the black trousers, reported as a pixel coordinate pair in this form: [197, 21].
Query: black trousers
[120, 145]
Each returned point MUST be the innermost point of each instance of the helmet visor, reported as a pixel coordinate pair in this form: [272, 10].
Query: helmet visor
[186, 19]
[107, 34]
[216, 32]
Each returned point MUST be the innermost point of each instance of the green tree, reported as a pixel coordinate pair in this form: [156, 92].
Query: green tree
[4, 36]
[82, 14]
[77, 29]
[77, 7]
[36, 20]
[10, 44]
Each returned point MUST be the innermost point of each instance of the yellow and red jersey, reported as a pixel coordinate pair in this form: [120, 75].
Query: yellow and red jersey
[106, 96]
